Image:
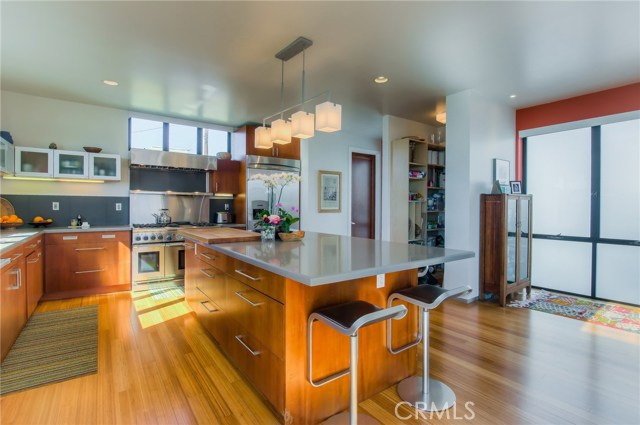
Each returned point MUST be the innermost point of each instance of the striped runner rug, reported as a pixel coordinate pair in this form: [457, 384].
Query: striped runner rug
[53, 346]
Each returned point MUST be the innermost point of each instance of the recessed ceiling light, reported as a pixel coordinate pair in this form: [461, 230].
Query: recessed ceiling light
[513, 96]
[381, 79]
[110, 82]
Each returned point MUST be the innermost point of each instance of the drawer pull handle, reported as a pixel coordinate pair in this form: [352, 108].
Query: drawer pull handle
[240, 272]
[18, 273]
[204, 304]
[108, 236]
[239, 293]
[34, 261]
[33, 245]
[204, 272]
[90, 271]
[69, 238]
[244, 344]
[208, 257]
[90, 249]
[15, 257]
[189, 246]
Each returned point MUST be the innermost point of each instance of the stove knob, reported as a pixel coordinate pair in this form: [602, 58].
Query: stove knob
[168, 238]
[160, 237]
[153, 237]
[137, 238]
[146, 238]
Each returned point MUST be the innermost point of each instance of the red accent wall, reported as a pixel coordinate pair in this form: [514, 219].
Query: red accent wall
[593, 105]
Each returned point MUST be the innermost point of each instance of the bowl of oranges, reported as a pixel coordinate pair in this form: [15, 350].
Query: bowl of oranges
[12, 220]
[40, 222]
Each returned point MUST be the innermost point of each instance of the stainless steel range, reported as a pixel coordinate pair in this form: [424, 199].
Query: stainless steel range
[158, 255]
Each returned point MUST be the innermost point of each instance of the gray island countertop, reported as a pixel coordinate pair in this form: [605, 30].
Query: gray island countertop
[321, 258]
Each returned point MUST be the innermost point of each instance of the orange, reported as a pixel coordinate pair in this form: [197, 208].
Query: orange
[38, 219]
[19, 220]
[5, 218]
[13, 217]
[49, 220]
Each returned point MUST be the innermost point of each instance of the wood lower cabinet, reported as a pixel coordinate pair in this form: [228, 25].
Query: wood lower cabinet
[34, 279]
[13, 298]
[78, 264]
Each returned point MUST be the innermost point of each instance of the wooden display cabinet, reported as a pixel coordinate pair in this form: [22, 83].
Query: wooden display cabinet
[505, 244]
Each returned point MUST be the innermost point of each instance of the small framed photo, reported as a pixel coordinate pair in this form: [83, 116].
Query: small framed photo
[329, 191]
[516, 187]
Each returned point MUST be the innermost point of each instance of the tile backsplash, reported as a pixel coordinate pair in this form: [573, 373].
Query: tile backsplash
[97, 210]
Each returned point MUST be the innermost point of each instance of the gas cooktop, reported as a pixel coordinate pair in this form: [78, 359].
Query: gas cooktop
[171, 225]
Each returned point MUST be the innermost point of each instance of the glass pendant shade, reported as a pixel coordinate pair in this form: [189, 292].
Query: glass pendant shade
[328, 117]
[281, 132]
[263, 138]
[302, 125]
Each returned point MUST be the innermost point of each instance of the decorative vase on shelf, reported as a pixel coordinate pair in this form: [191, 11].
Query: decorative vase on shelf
[268, 233]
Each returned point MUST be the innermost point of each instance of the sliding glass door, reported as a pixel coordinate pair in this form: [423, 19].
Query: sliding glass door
[586, 217]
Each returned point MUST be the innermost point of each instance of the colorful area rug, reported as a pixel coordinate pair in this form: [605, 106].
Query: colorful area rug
[53, 346]
[619, 316]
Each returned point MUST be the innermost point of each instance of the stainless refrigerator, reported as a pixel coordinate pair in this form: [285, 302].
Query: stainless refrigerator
[257, 194]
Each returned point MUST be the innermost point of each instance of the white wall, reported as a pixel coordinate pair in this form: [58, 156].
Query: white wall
[361, 130]
[395, 128]
[479, 129]
[38, 121]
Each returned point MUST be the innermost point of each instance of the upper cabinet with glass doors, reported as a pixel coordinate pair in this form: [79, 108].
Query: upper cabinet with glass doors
[33, 162]
[70, 165]
[104, 166]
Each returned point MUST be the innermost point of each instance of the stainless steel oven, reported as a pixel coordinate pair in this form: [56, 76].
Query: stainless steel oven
[174, 260]
[158, 255]
[148, 262]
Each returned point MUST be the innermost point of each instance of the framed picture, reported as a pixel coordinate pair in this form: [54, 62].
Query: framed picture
[501, 170]
[329, 191]
[516, 187]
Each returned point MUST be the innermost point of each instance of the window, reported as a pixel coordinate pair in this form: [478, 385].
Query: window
[192, 139]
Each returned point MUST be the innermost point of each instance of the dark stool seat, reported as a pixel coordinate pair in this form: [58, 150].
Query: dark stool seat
[422, 392]
[347, 319]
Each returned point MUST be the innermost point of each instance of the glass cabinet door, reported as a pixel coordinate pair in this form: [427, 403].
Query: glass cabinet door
[512, 222]
[33, 162]
[524, 238]
[69, 164]
[104, 166]
[6, 157]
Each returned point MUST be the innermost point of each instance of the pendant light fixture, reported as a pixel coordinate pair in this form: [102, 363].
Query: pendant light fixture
[327, 118]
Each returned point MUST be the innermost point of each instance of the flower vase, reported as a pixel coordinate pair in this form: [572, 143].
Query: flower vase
[268, 233]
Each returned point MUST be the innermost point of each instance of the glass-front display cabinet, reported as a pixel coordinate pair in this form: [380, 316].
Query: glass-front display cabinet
[33, 162]
[104, 166]
[505, 245]
[70, 164]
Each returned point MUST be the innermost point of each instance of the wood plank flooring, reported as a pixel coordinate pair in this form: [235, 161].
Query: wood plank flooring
[507, 366]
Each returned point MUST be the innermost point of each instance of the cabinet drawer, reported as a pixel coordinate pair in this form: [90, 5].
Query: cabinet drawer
[263, 369]
[89, 237]
[210, 315]
[211, 257]
[260, 315]
[211, 282]
[32, 245]
[266, 282]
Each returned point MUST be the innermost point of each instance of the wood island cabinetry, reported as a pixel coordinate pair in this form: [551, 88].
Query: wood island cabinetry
[13, 298]
[35, 274]
[78, 263]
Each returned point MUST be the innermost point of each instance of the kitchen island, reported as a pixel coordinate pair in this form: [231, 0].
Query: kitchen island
[255, 297]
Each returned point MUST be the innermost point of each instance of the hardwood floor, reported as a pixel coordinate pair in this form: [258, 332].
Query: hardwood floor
[507, 366]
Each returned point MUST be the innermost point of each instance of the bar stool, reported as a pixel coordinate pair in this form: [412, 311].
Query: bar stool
[347, 319]
[423, 392]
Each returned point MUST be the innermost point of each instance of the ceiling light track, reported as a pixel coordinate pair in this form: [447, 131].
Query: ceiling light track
[302, 125]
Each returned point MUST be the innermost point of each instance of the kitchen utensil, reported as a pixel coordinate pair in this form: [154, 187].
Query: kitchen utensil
[92, 149]
[163, 217]
[224, 217]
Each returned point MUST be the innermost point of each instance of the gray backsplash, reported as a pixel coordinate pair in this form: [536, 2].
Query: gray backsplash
[97, 210]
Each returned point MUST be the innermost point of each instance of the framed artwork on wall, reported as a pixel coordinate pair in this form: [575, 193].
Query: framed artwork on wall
[501, 170]
[329, 191]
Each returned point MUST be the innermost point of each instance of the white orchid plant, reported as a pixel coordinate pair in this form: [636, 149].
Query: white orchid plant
[276, 183]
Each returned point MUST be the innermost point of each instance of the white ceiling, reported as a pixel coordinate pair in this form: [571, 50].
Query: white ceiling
[214, 61]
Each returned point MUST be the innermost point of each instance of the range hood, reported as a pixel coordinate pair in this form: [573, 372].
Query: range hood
[147, 158]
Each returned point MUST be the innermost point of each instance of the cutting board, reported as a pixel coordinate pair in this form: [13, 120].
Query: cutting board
[219, 235]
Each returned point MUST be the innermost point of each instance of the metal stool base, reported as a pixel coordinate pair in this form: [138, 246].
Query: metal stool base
[343, 419]
[441, 397]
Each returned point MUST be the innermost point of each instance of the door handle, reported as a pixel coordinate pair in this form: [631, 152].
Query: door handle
[18, 273]
[204, 272]
[244, 344]
[353, 223]
[239, 294]
[208, 257]
[255, 279]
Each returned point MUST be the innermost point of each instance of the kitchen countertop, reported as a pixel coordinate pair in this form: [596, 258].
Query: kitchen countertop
[321, 258]
[10, 238]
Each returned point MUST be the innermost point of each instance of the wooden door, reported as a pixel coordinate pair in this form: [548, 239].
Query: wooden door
[226, 177]
[288, 151]
[363, 195]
